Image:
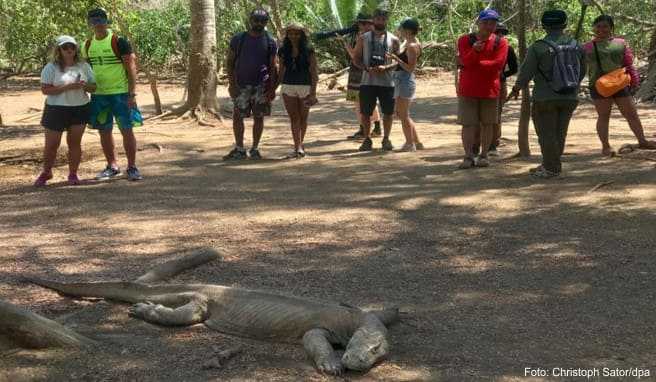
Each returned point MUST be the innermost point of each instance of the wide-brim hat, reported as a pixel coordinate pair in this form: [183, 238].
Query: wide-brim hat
[296, 27]
[363, 18]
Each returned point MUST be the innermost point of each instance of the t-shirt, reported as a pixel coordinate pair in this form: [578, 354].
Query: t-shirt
[297, 69]
[108, 68]
[53, 75]
[378, 47]
[255, 53]
[480, 73]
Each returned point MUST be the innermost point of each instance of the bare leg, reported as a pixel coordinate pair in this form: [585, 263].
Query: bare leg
[190, 308]
[388, 120]
[74, 140]
[628, 110]
[366, 124]
[107, 143]
[469, 139]
[53, 140]
[375, 117]
[604, 107]
[292, 107]
[304, 113]
[401, 105]
[130, 146]
[487, 135]
[238, 127]
[258, 128]
[321, 351]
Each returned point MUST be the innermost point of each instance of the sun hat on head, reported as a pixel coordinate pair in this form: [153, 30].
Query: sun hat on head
[363, 18]
[296, 27]
[554, 18]
[488, 14]
[380, 12]
[64, 39]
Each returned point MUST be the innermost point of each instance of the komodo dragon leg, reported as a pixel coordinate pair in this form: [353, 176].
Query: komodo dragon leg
[321, 351]
[176, 309]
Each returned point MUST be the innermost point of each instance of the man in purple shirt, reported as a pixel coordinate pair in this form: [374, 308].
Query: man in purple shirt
[252, 72]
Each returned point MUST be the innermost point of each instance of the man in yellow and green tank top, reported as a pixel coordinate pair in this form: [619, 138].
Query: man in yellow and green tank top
[114, 65]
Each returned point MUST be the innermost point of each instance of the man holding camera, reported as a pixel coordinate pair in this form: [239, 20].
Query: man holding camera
[377, 81]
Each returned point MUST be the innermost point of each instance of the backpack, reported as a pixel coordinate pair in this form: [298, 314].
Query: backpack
[269, 41]
[473, 38]
[566, 71]
[87, 45]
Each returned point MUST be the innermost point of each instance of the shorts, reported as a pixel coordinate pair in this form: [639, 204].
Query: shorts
[106, 107]
[370, 93]
[476, 111]
[353, 95]
[252, 101]
[300, 91]
[620, 94]
[61, 118]
[404, 84]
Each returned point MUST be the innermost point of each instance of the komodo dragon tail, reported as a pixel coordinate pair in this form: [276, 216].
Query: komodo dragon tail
[119, 291]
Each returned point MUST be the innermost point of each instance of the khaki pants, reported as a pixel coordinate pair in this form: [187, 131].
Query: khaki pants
[476, 111]
[551, 120]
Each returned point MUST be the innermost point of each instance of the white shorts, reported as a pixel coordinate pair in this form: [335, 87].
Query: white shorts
[300, 91]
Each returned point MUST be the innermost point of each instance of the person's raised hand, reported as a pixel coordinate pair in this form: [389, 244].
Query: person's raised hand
[479, 45]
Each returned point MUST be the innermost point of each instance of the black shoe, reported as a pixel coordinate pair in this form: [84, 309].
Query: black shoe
[376, 131]
[476, 150]
[358, 135]
[235, 154]
[254, 153]
[366, 145]
[387, 145]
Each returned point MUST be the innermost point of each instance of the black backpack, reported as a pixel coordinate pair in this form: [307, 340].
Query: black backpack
[566, 72]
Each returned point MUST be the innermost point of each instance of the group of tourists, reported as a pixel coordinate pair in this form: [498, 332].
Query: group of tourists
[381, 85]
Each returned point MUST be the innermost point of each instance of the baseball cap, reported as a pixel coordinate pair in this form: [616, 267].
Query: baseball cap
[554, 18]
[488, 14]
[63, 39]
[98, 16]
[260, 14]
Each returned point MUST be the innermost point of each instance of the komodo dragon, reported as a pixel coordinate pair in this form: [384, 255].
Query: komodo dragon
[255, 314]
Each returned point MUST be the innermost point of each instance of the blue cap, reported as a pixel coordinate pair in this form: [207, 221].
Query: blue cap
[488, 14]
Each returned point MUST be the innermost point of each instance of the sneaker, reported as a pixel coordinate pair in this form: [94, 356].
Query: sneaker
[235, 154]
[409, 147]
[420, 146]
[387, 145]
[467, 163]
[536, 169]
[133, 174]
[543, 173]
[73, 180]
[366, 145]
[42, 179]
[358, 135]
[108, 173]
[301, 153]
[254, 153]
[493, 152]
[376, 131]
[481, 162]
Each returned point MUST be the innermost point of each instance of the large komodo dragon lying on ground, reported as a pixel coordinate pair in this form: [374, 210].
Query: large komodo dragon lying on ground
[255, 314]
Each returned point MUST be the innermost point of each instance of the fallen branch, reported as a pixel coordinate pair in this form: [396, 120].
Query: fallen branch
[600, 185]
[334, 75]
[171, 268]
[24, 329]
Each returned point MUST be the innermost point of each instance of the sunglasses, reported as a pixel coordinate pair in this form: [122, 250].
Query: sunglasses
[68, 47]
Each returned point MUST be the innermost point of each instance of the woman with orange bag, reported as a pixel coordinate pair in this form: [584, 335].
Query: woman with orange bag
[605, 54]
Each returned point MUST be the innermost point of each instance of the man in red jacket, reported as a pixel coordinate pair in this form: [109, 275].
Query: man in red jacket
[481, 57]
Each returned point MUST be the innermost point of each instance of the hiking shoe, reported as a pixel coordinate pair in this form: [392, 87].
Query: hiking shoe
[376, 131]
[481, 162]
[387, 145]
[108, 173]
[409, 147]
[366, 145]
[133, 174]
[493, 152]
[235, 154]
[301, 153]
[543, 173]
[419, 146]
[42, 179]
[467, 163]
[358, 135]
[73, 180]
[254, 153]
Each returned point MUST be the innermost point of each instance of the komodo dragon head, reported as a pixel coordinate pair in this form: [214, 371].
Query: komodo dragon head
[369, 344]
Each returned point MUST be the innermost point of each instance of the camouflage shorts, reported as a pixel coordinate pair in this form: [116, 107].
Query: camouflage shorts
[252, 101]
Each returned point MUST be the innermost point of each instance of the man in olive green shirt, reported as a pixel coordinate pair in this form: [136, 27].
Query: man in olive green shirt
[552, 110]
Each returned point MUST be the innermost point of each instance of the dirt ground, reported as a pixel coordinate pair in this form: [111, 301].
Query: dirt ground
[494, 271]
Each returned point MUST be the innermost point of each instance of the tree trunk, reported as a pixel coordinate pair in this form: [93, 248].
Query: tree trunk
[277, 20]
[152, 79]
[525, 113]
[201, 76]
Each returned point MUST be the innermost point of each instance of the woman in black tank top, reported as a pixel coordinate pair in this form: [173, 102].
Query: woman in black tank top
[404, 81]
[298, 71]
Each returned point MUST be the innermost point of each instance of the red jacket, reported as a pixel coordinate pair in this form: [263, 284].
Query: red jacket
[480, 72]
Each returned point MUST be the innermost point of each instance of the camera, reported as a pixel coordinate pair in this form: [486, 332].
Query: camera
[352, 30]
[376, 60]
